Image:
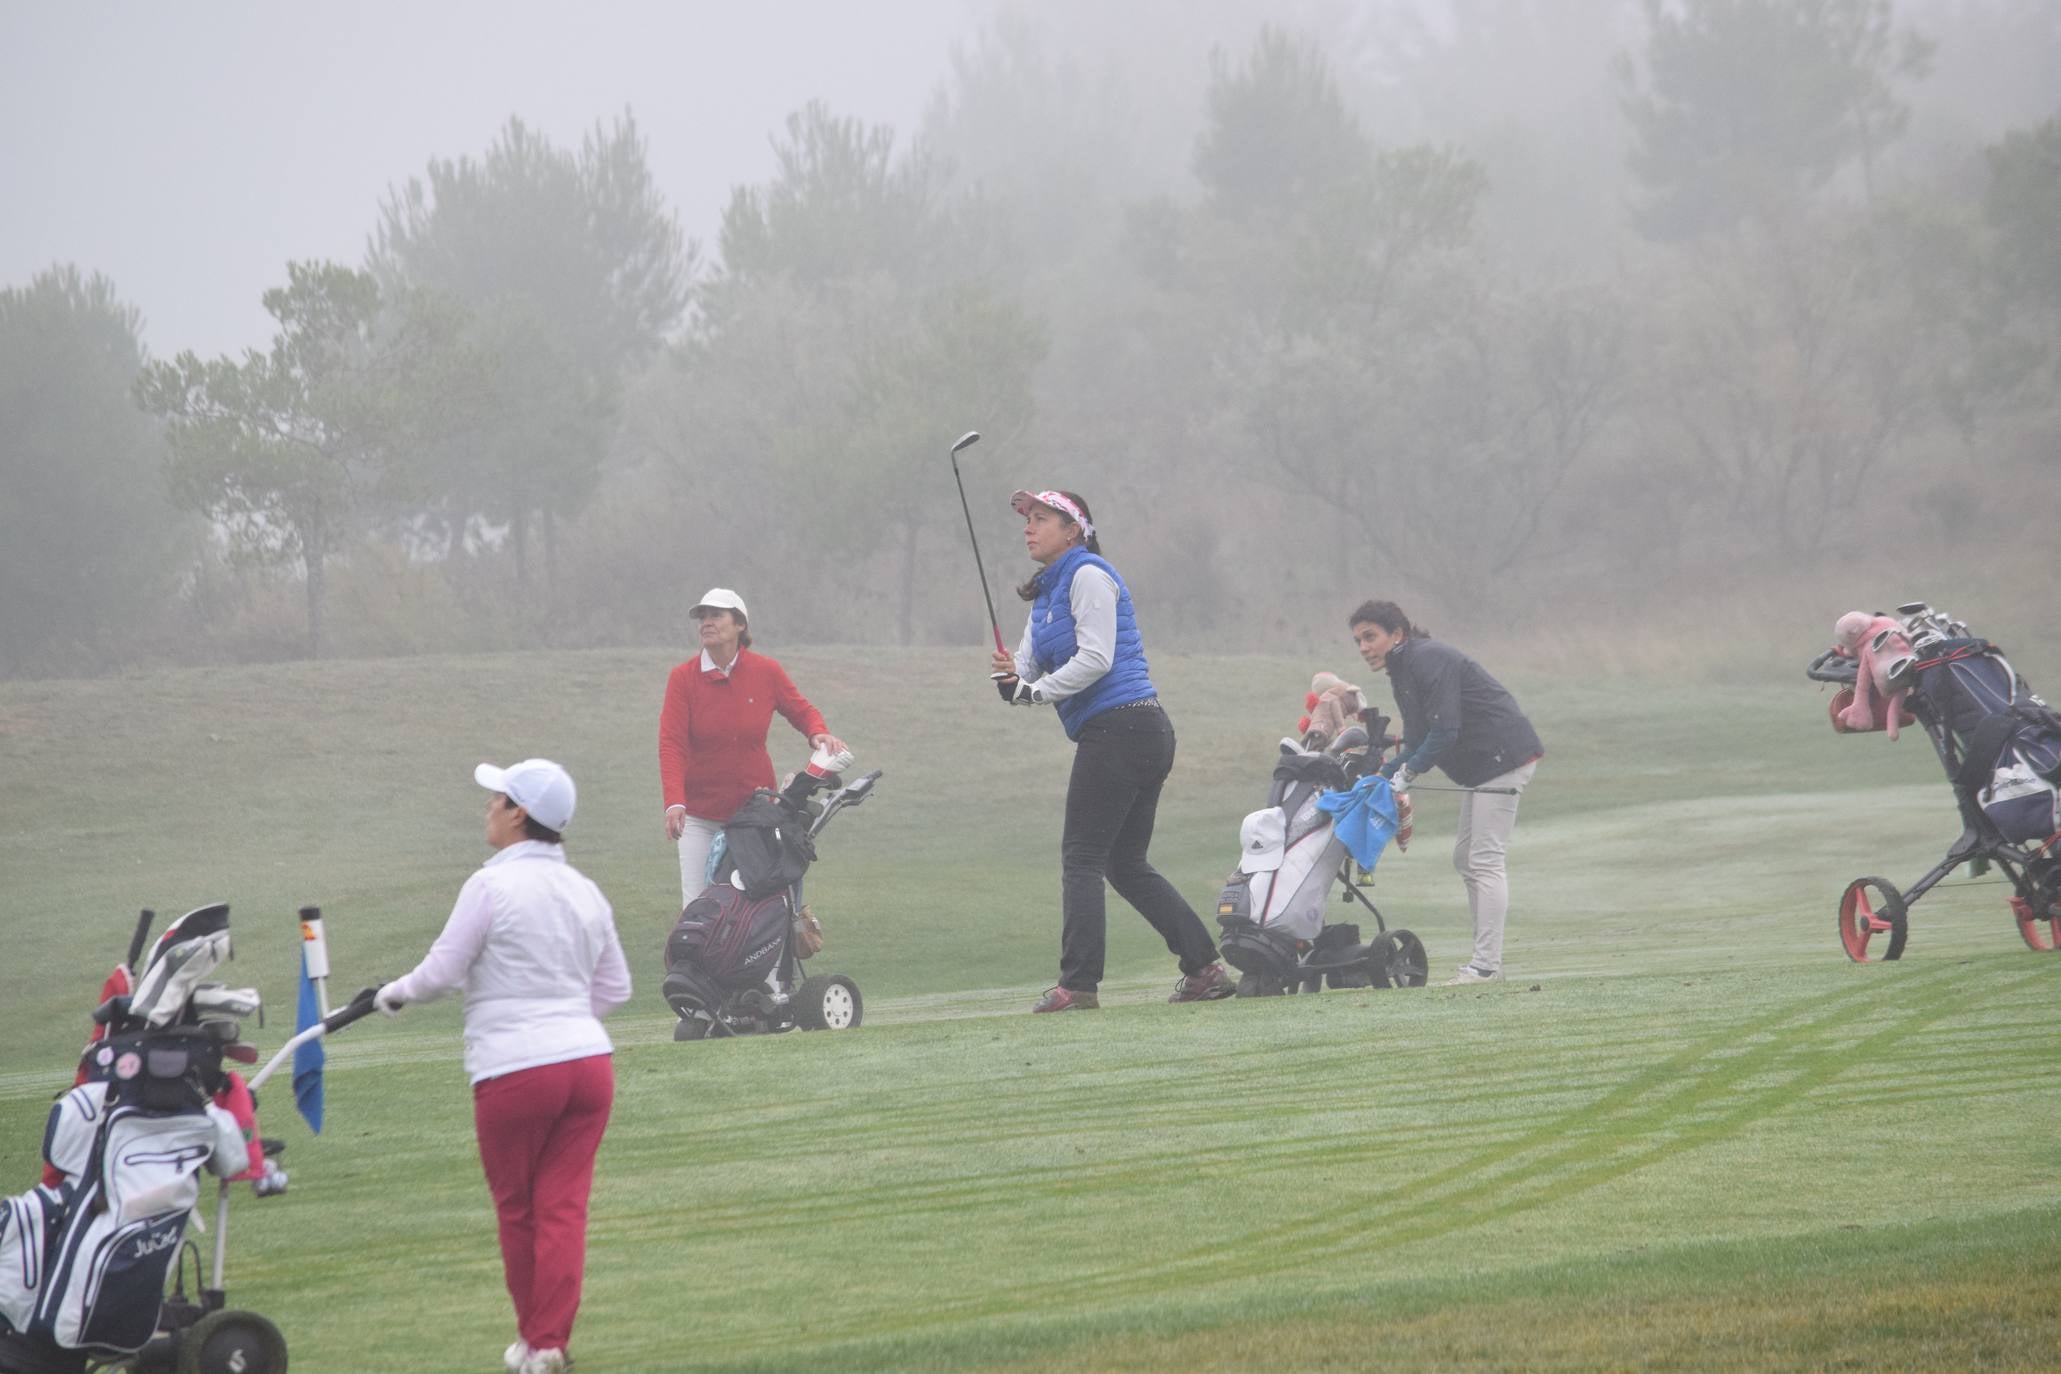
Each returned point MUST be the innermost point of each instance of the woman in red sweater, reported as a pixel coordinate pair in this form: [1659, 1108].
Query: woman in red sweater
[712, 732]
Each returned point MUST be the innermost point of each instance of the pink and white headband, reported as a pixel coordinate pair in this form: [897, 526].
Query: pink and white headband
[1057, 500]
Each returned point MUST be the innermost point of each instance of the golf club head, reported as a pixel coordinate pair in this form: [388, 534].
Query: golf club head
[966, 440]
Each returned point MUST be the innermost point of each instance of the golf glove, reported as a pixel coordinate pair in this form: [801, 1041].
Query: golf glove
[1403, 778]
[386, 1000]
[1016, 692]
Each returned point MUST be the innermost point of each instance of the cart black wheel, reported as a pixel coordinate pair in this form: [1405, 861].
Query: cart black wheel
[231, 1342]
[829, 1003]
[1248, 985]
[1864, 914]
[1395, 959]
[691, 1028]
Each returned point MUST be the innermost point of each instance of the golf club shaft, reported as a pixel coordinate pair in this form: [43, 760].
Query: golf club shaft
[986, 597]
[1490, 791]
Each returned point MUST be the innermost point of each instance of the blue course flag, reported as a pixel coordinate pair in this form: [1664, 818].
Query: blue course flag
[309, 1058]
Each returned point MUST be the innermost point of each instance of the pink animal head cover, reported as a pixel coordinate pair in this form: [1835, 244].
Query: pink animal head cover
[1878, 643]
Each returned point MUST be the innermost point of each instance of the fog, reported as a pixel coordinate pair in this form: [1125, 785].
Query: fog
[1627, 315]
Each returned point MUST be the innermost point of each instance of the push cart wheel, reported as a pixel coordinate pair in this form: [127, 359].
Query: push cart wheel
[231, 1342]
[1396, 959]
[1248, 985]
[691, 1028]
[2040, 930]
[829, 1003]
[1864, 914]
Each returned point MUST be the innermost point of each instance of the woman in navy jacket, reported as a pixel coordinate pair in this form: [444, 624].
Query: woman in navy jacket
[1081, 653]
[1465, 723]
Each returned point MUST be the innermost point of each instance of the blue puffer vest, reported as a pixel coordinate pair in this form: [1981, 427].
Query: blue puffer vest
[1052, 642]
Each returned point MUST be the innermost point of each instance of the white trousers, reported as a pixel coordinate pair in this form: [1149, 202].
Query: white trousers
[1487, 821]
[695, 842]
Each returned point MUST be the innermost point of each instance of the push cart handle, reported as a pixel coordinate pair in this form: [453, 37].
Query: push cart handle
[1831, 666]
[357, 1009]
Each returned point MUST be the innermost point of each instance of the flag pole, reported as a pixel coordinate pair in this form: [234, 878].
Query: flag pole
[315, 954]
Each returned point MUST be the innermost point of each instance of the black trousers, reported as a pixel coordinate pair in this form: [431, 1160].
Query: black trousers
[1120, 761]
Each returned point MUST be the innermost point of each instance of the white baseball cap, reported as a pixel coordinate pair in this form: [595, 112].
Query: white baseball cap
[722, 599]
[538, 786]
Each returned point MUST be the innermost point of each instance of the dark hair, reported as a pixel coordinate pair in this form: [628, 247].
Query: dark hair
[1028, 589]
[532, 828]
[1389, 617]
[744, 637]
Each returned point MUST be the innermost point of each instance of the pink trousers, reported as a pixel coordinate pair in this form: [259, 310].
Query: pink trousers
[538, 1132]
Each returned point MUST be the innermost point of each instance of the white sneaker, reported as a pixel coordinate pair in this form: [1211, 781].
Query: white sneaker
[515, 1355]
[546, 1362]
[1469, 974]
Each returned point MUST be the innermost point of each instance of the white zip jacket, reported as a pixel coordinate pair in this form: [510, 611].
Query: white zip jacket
[533, 943]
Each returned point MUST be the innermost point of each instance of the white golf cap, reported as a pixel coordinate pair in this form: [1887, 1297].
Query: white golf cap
[538, 786]
[722, 599]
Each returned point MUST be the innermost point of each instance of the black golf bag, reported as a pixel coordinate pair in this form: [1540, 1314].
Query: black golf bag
[1271, 910]
[83, 1263]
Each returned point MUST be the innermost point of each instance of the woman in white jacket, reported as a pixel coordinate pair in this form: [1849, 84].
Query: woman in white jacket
[533, 944]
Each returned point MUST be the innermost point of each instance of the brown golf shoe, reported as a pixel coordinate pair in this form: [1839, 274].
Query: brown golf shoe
[1205, 986]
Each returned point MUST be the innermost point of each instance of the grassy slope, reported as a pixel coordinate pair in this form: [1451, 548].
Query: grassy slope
[1714, 1157]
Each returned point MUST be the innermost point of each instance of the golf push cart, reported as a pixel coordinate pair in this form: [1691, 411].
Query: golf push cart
[1999, 744]
[86, 1255]
[1271, 911]
[733, 962]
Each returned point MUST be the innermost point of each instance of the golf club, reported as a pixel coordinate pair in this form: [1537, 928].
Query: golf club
[968, 440]
[1489, 791]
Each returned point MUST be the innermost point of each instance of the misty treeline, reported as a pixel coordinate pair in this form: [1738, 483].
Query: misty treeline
[1535, 312]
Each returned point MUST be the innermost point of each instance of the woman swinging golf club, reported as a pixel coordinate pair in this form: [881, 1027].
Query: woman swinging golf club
[1081, 653]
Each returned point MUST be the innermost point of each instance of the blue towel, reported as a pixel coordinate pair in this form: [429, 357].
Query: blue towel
[1363, 817]
[309, 1058]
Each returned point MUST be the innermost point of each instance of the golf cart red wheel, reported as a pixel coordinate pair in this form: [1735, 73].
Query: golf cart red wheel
[1863, 915]
[2042, 933]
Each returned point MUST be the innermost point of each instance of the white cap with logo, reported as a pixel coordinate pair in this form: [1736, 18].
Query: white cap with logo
[538, 786]
[721, 599]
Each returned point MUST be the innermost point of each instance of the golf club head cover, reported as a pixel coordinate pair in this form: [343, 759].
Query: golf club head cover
[825, 763]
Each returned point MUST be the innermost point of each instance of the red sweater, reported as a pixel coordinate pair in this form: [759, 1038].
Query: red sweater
[712, 732]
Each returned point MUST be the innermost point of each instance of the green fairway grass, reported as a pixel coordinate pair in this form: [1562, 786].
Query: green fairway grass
[1684, 1133]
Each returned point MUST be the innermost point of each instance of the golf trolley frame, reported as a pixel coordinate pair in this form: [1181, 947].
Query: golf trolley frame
[1873, 906]
[707, 1011]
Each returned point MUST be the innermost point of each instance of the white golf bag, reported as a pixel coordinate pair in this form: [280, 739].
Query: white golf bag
[1286, 864]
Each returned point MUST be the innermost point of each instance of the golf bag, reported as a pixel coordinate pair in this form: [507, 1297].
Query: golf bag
[83, 1262]
[1271, 909]
[2007, 739]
